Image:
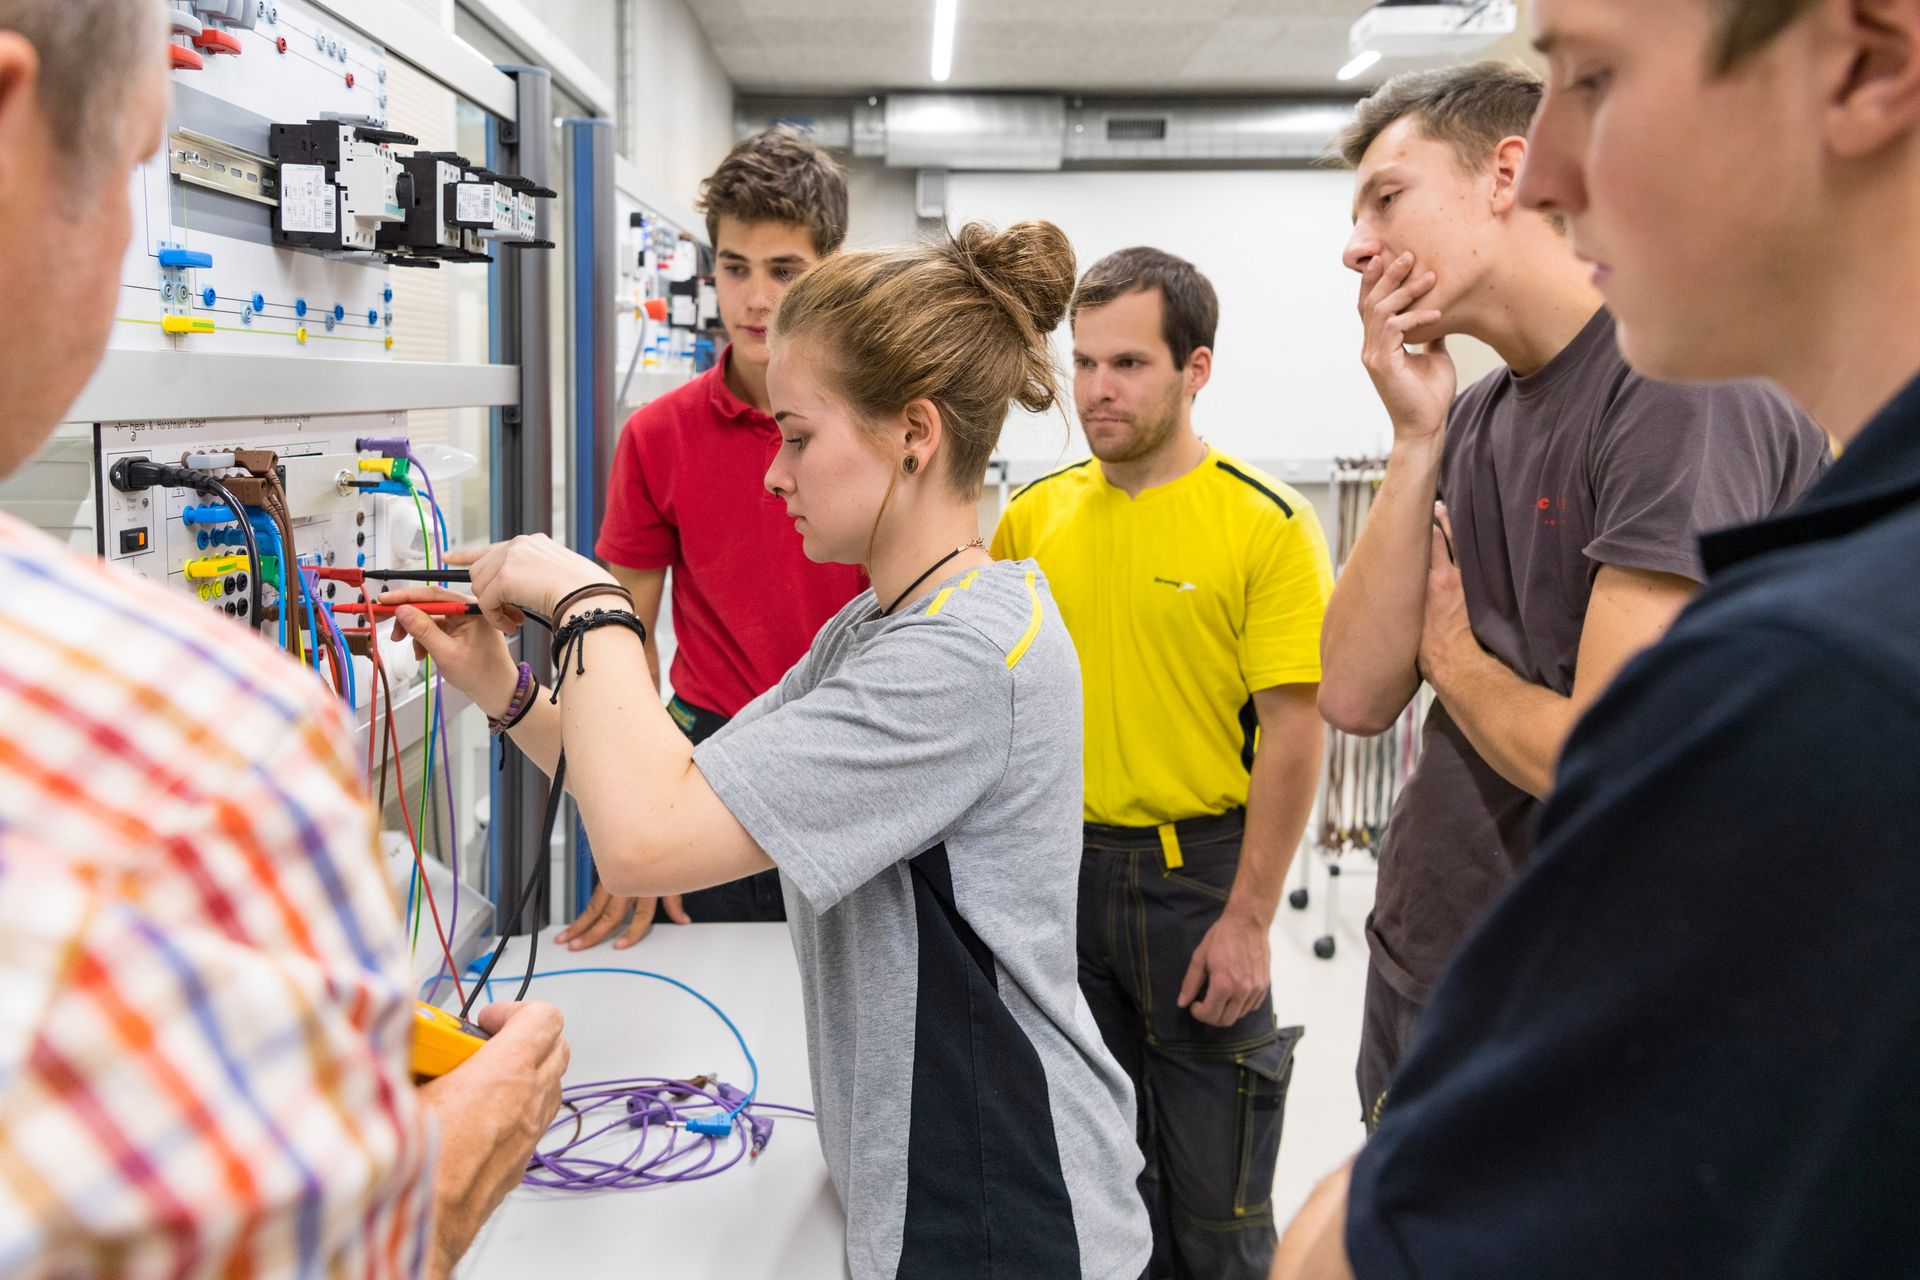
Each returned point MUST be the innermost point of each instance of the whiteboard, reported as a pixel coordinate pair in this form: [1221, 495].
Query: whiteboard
[1287, 380]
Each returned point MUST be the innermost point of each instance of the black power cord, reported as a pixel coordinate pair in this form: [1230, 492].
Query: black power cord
[131, 475]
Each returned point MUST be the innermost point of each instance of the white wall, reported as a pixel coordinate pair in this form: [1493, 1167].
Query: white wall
[685, 109]
[880, 205]
[587, 27]
[1287, 387]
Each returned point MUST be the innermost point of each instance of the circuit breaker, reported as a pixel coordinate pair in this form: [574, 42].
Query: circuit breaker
[504, 209]
[340, 184]
[435, 228]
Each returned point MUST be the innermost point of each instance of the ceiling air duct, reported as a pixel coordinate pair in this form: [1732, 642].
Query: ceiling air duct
[1030, 131]
[975, 131]
[1200, 132]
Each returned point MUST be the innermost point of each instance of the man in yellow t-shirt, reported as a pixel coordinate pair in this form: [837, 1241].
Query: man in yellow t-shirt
[1194, 587]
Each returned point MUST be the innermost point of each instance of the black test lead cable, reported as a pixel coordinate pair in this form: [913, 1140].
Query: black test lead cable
[444, 575]
[542, 867]
[418, 575]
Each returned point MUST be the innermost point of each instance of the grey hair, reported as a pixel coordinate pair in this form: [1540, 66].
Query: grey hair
[90, 52]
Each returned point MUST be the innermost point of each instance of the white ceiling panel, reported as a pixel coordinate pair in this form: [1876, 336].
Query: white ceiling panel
[1087, 46]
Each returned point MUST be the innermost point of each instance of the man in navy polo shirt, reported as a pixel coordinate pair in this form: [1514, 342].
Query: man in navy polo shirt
[687, 495]
[1687, 1043]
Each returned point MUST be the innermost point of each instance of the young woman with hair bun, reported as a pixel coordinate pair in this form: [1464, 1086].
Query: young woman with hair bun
[916, 778]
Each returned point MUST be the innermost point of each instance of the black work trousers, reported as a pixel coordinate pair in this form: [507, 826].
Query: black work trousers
[1211, 1099]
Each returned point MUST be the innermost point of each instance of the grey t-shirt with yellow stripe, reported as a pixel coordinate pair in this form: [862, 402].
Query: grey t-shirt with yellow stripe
[917, 778]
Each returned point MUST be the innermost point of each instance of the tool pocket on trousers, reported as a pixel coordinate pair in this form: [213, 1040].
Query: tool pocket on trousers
[1207, 869]
[1265, 1074]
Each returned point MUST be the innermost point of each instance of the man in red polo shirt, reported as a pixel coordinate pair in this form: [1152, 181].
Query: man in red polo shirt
[687, 495]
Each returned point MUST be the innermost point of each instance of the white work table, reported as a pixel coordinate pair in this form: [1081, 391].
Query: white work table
[776, 1218]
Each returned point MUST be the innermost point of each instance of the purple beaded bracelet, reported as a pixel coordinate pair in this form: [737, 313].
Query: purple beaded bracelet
[518, 705]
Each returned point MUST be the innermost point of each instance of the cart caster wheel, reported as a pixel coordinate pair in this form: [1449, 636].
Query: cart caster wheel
[1297, 899]
[1323, 947]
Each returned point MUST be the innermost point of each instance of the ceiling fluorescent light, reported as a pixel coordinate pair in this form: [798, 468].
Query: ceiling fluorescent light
[945, 12]
[1366, 59]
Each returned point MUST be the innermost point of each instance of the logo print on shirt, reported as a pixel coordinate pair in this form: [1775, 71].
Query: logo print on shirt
[1178, 587]
[1552, 512]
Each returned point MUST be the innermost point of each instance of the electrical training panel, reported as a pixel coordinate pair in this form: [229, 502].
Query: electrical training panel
[666, 303]
[352, 497]
[229, 467]
[280, 140]
[270, 225]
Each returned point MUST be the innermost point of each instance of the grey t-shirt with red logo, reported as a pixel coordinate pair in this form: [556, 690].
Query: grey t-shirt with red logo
[1546, 478]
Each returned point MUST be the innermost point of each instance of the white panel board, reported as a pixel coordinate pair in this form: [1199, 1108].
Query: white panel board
[298, 64]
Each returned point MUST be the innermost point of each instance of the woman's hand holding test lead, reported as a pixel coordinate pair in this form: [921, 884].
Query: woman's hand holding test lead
[531, 571]
[470, 654]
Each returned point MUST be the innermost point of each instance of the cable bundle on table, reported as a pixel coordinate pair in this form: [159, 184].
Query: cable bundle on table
[596, 1155]
[699, 1117]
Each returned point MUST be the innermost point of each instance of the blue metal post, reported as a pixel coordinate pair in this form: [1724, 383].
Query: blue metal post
[591, 248]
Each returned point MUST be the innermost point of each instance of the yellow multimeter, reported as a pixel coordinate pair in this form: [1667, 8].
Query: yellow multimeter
[441, 1041]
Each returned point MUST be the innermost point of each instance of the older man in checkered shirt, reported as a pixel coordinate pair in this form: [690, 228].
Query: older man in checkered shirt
[204, 1002]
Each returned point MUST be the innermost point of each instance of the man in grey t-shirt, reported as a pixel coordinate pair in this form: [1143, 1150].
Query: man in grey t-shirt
[1573, 489]
[972, 1119]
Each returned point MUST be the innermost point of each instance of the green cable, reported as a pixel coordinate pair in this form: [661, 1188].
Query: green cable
[426, 774]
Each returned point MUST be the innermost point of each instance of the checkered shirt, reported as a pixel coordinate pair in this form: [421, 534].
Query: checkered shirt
[204, 1010]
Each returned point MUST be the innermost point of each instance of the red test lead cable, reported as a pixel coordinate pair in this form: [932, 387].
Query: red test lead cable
[436, 608]
[406, 817]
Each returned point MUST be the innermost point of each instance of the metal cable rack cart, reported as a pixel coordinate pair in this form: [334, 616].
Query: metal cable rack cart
[1364, 776]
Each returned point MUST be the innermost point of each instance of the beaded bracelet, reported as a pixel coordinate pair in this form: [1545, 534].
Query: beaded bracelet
[517, 706]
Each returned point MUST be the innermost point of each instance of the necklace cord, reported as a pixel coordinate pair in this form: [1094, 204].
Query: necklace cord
[931, 570]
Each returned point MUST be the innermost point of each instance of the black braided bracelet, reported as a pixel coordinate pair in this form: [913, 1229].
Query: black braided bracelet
[569, 641]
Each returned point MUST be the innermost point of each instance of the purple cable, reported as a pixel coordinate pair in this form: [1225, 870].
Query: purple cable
[648, 1105]
[682, 1109]
[439, 520]
[453, 834]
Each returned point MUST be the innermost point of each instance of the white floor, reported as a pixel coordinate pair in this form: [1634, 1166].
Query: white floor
[1324, 996]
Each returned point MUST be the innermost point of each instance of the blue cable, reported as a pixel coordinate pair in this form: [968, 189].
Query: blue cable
[436, 728]
[711, 1127]
[266, 532]
[346, 655]
[333, 629]
[408, 913]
